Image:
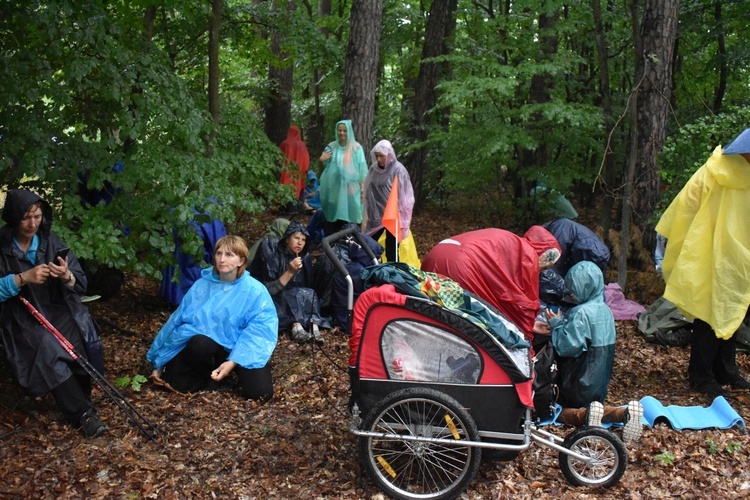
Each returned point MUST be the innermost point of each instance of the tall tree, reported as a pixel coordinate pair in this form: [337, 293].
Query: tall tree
[361, 69]
[214, 30]
[278, 109]
[658, 32]
[425, 96]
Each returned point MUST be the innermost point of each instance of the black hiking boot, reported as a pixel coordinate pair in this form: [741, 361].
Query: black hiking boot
[673, 338]
[91, 425]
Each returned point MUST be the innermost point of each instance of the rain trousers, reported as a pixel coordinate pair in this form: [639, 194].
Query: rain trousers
[585, 342]
[706, 265]
[498, 266]
[342, 178]
[38, 360]
[239, 316]
[297, 301]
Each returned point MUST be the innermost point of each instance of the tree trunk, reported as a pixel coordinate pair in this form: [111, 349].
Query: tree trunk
[316, 137]
[721, 87]
[213, 69]
[609, 180]
[278, 110]
[425, 97]
[361, 69]
[539, 92]
[659, 30]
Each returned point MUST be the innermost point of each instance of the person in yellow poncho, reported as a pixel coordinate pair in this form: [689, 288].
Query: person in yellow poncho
[707, 263]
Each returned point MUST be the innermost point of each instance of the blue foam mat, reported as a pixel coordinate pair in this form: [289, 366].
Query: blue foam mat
[720, 415]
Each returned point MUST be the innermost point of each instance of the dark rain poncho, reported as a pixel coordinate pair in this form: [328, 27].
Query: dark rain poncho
[296, 302]
[38, 360]
[585, 342]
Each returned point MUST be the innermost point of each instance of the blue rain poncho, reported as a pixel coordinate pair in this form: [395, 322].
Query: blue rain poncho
[239, 316]
[585, 342]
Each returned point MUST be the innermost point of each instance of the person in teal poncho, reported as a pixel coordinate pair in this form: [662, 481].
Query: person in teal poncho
[343, 177]
[584, 344]
[226, 322]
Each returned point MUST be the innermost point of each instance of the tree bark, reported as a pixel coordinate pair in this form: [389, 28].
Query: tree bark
[213, 68]
[425, 97]
[659, 30]
[361, 68]
[721, 87]
[278, 110]
[610, 167]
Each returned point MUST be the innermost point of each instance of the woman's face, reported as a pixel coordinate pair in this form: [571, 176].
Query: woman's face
[341, 129]
[30, 222]
[227, 261]
[296, 243]
[381, 159]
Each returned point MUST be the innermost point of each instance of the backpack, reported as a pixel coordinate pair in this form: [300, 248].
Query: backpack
[545, 382]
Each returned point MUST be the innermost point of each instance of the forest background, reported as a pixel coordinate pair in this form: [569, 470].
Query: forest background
[613, 104]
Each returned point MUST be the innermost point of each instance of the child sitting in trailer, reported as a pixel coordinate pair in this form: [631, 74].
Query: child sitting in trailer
[585, 348]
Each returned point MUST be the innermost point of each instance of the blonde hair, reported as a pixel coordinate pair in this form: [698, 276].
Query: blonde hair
[237, 246]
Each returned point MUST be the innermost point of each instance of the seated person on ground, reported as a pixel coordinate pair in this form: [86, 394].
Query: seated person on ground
[226, 322]
[285, 266]
[585, 348]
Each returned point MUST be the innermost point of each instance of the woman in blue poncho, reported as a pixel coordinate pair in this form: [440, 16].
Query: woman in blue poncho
[343, 177]
[226, 322]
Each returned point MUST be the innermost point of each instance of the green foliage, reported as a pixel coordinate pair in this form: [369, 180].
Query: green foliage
[713, 446]
[133, 382]
[667, 457]
[84, 89]
[688, 149]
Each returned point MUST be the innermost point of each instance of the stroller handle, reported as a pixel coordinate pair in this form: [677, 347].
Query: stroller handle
[339, 236]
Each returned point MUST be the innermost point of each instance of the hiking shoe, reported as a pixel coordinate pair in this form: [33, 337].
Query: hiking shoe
[316, 334]
[300, 334]
[594, 415]
[91, 425]
[673, 338]
[633, 422]
[740, 384]
[711, 389]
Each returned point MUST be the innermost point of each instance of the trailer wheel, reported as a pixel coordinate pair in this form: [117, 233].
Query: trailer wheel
[608, 452]
[419, 469]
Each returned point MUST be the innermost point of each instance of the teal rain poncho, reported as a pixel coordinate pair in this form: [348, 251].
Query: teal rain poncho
[239, 316]
[585, 342]
[342, 179]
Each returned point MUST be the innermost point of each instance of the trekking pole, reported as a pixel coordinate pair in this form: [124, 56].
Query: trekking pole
[109, 389]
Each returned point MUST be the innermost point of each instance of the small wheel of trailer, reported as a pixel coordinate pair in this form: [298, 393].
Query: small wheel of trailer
[409, 469]
[609, 456]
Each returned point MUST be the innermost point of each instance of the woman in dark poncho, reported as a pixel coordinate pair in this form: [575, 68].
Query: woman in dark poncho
[54, 285]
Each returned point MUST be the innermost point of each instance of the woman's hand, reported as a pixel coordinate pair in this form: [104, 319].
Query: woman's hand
[325, 156]
[156, 374]
[37, 275]
[223, 370]
[295, 265]
[60, 270]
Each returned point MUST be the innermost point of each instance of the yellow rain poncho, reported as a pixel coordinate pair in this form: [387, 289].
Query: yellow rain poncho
[707, 260]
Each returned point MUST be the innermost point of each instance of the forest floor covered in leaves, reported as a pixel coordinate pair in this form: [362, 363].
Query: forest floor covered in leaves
[298, 445]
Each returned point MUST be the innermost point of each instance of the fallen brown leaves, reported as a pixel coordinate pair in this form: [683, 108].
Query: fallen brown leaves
[298, 446]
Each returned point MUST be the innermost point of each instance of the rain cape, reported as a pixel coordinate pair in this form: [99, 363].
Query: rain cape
[239, 316]
[706, 265]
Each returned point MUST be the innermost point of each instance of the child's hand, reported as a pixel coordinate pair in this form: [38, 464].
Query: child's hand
[549, 313]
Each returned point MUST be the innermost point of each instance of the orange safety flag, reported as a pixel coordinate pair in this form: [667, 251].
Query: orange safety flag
[391, 220]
